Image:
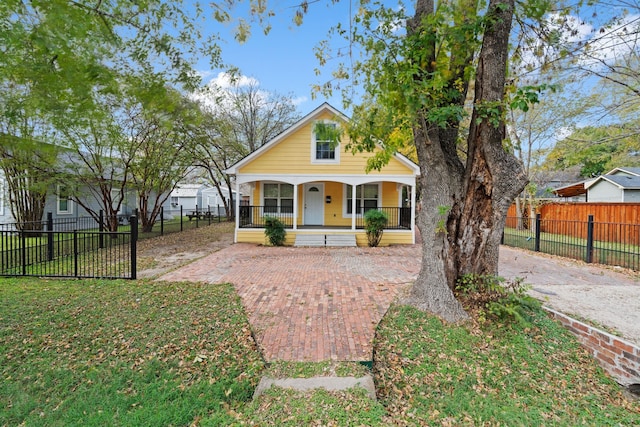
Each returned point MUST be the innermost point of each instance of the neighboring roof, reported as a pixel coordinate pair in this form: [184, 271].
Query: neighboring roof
[325, 107]
[624, 182]
[572, 190]
[186, 190]
[630, 170]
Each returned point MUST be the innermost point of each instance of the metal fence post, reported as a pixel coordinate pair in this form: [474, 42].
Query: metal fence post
[197, 216]
[589, 257]
[102, 229]
[75, 253]
[181, 217]
[162, 220]
[134, 246]
[23, 252]
[209, 214]
[538, 222]
[49, 236]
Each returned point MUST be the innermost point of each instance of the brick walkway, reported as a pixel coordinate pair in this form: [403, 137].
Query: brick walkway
[310, 304]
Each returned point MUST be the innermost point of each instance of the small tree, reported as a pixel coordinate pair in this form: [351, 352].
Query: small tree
[374, 223]
[274, 230]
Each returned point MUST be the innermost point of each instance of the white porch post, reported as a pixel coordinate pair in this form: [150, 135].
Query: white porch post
[295, 206]
[237, 211]
[413, 213]
[353, 207]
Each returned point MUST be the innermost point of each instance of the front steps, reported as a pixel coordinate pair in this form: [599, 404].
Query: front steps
[322, 240]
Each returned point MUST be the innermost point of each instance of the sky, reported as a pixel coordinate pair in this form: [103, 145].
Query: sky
[283, 61]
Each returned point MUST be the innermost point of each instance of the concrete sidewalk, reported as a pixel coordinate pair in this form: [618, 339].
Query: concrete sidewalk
[313, 304]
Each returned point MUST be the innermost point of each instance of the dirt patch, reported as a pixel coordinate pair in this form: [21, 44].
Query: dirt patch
[162, 254]
[598, 294]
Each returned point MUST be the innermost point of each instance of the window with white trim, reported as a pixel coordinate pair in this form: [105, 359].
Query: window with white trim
[322, 150]
[63, 202]
[367, 197]
[277, 197]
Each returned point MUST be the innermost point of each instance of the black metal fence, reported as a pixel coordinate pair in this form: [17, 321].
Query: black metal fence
[254, 217]
[52, 252]
[598, 242]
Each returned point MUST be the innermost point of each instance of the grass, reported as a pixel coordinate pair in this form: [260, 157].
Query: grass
[492, 375]
[132, 353]
[122, 353]
[609, 253]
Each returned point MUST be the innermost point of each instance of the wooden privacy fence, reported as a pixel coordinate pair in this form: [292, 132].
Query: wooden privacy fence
[615, 222]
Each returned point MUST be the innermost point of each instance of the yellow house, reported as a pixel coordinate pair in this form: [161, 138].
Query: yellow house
[309, 186]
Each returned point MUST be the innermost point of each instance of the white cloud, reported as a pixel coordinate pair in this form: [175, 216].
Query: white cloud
[226, 80]
[218, 91]
[612, 43]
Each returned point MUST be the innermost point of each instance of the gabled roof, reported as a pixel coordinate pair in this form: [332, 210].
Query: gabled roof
[325, 107]
[186, 190]
[629, 170]
[624, 182]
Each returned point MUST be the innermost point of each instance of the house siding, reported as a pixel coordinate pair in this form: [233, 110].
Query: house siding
[632, 196]
[604, 191]
[294, 157]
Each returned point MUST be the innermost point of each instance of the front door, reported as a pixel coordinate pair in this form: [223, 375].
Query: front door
[313, 204]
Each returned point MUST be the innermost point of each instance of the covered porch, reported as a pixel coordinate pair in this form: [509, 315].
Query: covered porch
[330, 207]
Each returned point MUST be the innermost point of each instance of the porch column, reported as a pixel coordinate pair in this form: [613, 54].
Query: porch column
[295, 206]
[237, 211]
[353, 207]
[413, 213]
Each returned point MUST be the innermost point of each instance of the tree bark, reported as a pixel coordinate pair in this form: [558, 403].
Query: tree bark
[462, 229]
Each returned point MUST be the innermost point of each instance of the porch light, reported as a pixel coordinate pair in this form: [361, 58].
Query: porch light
[328, 199]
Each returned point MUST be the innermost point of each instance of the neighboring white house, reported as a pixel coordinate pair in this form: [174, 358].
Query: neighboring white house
[201, 195]
[5, 211]
[619, 185]
[61, 206]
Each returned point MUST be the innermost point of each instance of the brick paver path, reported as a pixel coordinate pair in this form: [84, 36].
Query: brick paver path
[310, 304]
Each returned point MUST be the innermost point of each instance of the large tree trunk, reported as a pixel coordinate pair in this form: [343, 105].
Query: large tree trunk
[462, 228]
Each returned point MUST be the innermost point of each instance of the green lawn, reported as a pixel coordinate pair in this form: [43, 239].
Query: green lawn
[134, 353]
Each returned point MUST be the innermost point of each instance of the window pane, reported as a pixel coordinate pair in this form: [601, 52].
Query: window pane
[286, 206]
[370, 204]
[349, 192]
[270, 205]
[324, 150]
[63, 205]
[271, 190]
[371, 191]
[286, 190]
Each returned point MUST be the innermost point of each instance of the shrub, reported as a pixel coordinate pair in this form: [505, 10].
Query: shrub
[496, 297]
[374, 223]
[274, 230]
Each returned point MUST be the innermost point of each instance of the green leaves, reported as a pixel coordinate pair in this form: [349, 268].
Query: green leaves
[526, 96]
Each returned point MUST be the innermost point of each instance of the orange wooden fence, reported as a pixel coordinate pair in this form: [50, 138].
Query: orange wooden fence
[616, 222]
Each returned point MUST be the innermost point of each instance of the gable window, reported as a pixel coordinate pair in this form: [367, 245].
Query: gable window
[63, 203]
[278, 198]
[367, 196]
[324, 147]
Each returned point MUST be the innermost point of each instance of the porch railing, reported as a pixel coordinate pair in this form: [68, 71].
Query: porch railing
[253, 217]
